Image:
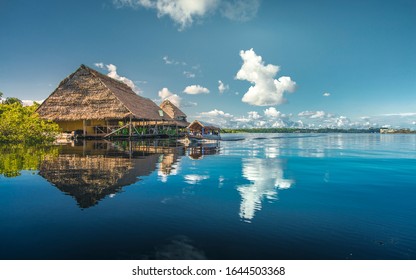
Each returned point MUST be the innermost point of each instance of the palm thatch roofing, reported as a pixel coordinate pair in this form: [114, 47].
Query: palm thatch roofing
[89, 95]
[174, 112]
[198, 125]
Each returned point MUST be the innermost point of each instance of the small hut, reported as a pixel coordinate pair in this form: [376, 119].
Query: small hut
[95, 105]
[179, 118]
[203, 130]
[175, 113]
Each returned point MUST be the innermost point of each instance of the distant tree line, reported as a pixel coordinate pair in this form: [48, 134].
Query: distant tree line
[299, 130]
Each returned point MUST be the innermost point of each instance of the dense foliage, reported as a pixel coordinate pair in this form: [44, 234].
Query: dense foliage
[20, 124]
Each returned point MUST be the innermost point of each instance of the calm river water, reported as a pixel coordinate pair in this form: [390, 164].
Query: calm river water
[257, 196]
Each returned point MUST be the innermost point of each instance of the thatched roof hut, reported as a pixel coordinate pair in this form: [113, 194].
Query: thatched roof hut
[175, 113]
[89, 95]
[202, 127]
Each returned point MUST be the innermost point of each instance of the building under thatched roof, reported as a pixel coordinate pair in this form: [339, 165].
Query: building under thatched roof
[175, 113]
[202, 127]
[87, 100]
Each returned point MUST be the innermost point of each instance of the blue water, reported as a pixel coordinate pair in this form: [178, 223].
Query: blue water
[261, 196]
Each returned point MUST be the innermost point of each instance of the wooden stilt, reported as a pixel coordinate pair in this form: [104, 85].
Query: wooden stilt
[130, 130]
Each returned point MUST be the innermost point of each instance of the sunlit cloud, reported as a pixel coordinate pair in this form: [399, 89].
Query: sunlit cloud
[185, 12]
[195, 89]
[314, 114]
[165, 94]
[265, 89]
[112, 73]
[272, 112]
[31, 102]
[182, 12]
[222, 87]
[326, 94]
[217, 113]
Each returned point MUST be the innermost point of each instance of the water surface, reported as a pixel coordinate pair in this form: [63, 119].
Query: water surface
[259, 196]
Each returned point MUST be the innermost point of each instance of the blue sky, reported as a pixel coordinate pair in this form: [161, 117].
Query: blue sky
[280, 63]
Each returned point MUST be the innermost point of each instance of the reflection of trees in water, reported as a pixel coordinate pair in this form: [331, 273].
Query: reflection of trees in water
[92, 170]
[266, 177]
[15, 158]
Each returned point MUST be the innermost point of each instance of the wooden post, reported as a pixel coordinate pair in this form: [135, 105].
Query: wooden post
[84, 129]
[130, 126]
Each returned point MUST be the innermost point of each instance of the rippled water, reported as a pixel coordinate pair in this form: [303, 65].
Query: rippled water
[256, 196]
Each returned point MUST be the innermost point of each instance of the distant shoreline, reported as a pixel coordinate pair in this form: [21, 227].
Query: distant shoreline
[319, 130]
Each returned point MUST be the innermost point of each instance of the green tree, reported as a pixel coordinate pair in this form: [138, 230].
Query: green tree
[21, 124]
[12, 100]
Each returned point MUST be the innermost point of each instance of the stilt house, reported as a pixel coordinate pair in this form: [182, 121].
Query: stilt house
[95, 105]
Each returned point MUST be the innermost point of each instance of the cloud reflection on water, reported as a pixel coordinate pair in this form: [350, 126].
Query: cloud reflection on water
[266, 177]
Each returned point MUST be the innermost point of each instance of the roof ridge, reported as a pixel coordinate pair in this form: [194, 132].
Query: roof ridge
[94, 73]
[174, 107]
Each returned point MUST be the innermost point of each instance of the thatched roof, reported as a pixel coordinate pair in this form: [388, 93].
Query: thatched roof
[89, 95]
[198, 125]
[174, 112]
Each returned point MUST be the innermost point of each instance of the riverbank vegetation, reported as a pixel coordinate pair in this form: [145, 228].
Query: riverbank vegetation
[21, 124]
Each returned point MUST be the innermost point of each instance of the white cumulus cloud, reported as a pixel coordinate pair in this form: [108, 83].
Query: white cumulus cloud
[195, 89]
[272, 112]
[217, 113]
[266, 90]
[182, 12]
[99, 65]
[222, 87]
[313, 114]
[174, 98]
[240, 10]
[326, 94]
[185, 12]
[112, 73]
[31, 102]
[253, 115]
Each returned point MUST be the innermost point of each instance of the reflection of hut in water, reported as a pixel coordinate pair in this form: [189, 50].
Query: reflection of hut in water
[167, 165]
[199, 151]
[91, 178]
